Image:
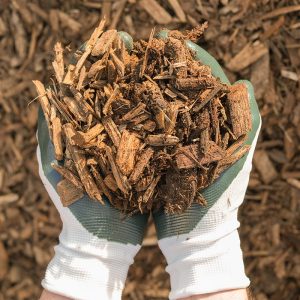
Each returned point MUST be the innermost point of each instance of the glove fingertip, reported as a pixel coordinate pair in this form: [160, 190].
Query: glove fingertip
[127, 39]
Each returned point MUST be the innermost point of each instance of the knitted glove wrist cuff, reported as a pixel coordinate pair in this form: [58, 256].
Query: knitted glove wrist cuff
[216, 266]
[83, 276]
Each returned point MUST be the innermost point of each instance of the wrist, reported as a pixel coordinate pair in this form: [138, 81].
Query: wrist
[239, 294]
[200, 267]
[85, 275]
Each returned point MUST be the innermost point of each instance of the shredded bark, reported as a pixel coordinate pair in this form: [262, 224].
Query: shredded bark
[148, 128]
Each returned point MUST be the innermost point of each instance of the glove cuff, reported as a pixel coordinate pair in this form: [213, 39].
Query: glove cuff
[80, 275]
[205, 268]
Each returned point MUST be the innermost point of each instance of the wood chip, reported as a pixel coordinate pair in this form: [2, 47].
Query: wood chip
[239, 109]
[247, 56]
[264, 166]
[157, 12]
[190, 156]
[126, 154]
[68, 192]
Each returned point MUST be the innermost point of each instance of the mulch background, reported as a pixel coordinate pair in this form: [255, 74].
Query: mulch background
[256, 40]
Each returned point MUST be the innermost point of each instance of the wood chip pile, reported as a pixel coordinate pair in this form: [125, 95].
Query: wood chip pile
[147, 128]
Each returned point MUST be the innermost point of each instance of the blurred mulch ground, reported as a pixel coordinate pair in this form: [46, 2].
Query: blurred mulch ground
[256, 40]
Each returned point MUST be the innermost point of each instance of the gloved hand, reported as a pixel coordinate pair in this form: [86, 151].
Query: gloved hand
[97, 243]
[202, 245]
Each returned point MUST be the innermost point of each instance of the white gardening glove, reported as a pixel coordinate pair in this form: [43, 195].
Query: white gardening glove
[202, 245]
[97, 243]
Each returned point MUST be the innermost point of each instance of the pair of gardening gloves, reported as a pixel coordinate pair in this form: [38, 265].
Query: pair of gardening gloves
[202, 246]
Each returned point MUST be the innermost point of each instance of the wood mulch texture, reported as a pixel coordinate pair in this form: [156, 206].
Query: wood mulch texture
[255, 40]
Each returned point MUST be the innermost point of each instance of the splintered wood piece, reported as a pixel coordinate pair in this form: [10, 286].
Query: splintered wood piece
[120, 179]
[190, 156]
[75, 109]
[144, 182]
[140, 118]
[161, 140]
[178, 10]
[134, 112]
[127, 150]
[160, 119]
[112, 130]
[110, 182]
[225, 140]
[68, 192]
[111, 72]
[239, 109]
[67, 174]
[70, 132]
[156, 96]
[43, 99]
[149, 125]
[101, 184]
[81, 79]
[204, 125]
[141, 164]
[104, 42]
[60, 106]
[120, 67]
[112, 98]
[176, 52]
[228, 161]
[208, 97]
[82, 138]
[264, 166]
[80, 161]
[215, 121]
[148, 193]
[157, 12]
[96, 68]
[81, 101]
[172, 114]
[69, 77]
[192, 84]
[237, 144]
[58, 63]
[145, 60]
[96, 33]
[82, 60]
[57, 138]
[84, 174]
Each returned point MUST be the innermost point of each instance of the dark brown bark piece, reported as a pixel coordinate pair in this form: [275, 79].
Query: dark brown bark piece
[185, 84]
[112, 130]
[67, 174]
[80, 161]
[100, 183]
[134, 112]
[68, 192]
[110, 182]
[190, 156]
[141, 164]
[120, 179]
[176, 52]
[162, 140]
[239, 109]
[155, 95]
